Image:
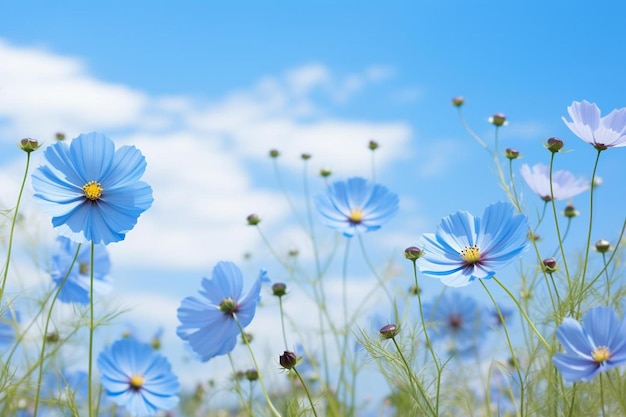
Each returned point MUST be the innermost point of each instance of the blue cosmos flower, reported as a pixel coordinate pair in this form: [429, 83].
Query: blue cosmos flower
[457, 320]
[208, 322]
[76, 287]
[465, 247]
[8, 327]
[137, 377]
[564, 184]
[356, 206]
[596, 346]
[91, 190]
[600, 132]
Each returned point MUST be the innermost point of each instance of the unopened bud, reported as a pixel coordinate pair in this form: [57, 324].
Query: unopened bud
[59, 136]
[274, 153]
[554, 144]
[549, 265]
[570, 211]
[511, 153]
[279, 289]
[292, 253]
[533, 237]
[414, 290]
[252, 375]
[413, 253]
[28, 145]
[305, 156]
[498, 119]
[325, 172]
[288, 359]
[246, 338]
[389, 331]
[458, 101]
[603, 246]
[373, 145]
[253, 220]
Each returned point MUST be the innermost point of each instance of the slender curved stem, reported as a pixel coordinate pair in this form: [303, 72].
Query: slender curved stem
[91, 329]
[306, 390]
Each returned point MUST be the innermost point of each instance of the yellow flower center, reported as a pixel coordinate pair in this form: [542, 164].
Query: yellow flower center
[93, 190]
[356, 216]
[601, 354]
[136, 382]
[471, 254]
[83, 269]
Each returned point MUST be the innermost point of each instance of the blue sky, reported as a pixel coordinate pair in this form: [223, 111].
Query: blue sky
[205, 89]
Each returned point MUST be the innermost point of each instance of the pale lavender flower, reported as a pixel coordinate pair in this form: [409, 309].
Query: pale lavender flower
[564, 184]
[600, 132]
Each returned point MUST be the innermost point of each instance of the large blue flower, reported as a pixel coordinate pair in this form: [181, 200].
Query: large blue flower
[137, 377]
[457, 320]
[356, 206]
[596, 346]
[208, 322]
[465, 247]
[91, 190]
[600, 132]
[77, 284]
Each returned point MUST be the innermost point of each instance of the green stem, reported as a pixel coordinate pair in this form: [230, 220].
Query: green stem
[556, 220]
[91, 329]
[45, 332]
[282, 321]
[414, 383]
[12, 232]
[256, 366]
[306, 390]
[523, 313]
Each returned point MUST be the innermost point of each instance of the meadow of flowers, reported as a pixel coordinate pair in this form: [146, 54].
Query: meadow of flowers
[550, 343]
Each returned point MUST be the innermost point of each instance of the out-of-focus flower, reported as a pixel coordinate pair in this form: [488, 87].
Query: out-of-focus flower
[458, 320]
[356, 206]
[209, 322]
[91, 190]
[597, 345]
[8, 327]
[138, 378]
[76, 286]
[466, 248]
[600, 132]
[564, 184]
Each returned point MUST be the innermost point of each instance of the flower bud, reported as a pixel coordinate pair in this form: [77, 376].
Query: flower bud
[554, 145]
[413, 253]
[279, 289]
[288, 359]
[373, 145]
[59, 136]
[549, 265]
[498, 119]
[325, 172]
[305, 156]
[252, 375]
[511, 153]
[533, 237]
[274, 153]
[570, 211]
[28, 145]
[293, 253]
[389, 331]
[597, 181]
[156, 343]
[246, 338]
[253, 220]
[52, 337]
[458, 101]
[603, 246]
[415, 290]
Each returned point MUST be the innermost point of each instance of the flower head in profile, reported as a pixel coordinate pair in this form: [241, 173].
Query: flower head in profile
[209, 322]
[564, 184]
[458, 320]
[137, 377]
[465, 247]
[76, 286]
[91, 190]
[356, 206]
[600, 132]
[9, 320]
[597, 345]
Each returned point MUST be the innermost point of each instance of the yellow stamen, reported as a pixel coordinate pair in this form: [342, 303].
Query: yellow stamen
[356, 216]
[83, 269]
[93, 190]
[471, 254]
[601, 354]
[136, 381]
